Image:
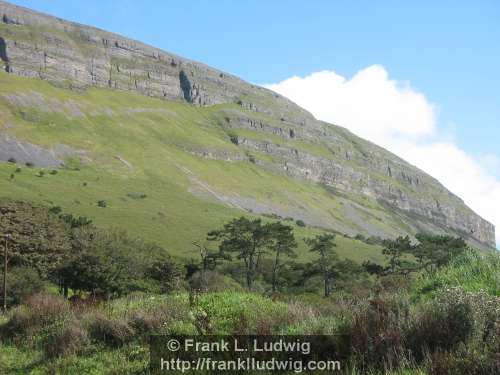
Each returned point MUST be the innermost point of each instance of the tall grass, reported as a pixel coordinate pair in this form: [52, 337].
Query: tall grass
[473, 272]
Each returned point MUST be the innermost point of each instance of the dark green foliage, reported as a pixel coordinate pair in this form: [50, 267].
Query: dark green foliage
[167, 273]
[248, 239]
[39, 238]
[360, 237]
[431, 253]
[72, 221]
[324, 245]
[53, 172]
[90, 273]
[18, 170]
[136, 195]
[436, 251]
[22, 282]
[395, 250]
[55, 209]
[234, 139]
[40, 174]
[29, 164]
[102, 204]
[300, 223]
[104, 262]
[282, 244]
[12, 160]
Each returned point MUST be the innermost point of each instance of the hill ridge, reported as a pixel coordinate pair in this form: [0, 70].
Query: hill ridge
[259, 126]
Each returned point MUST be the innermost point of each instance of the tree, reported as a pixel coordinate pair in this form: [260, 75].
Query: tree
[90, 273]
[431, 252]
[434, 252]
[282, 243]
[395, 250]
[39, 239]
[106, 262]
[166, 272]
[324, 245]
[248, 238]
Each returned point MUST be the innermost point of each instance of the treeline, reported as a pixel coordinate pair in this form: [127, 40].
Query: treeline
[49, 246]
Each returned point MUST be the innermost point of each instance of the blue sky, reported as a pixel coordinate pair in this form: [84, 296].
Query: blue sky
[447, 50]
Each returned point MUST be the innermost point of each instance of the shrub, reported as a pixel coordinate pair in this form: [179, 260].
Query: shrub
[442, 324]
[113, 332]
[378, 330]
[233, 138]
[102, 204]
[55, 209]
[38, 312]
[18, 170]
[463, 361]
[135, 195]
[300, 223]
[211, 281]
[65, 339]
[23, 282]
[12, 160]
[166, 272]
[145, 324]
[29, 164]
[53, 172]
[40, 173]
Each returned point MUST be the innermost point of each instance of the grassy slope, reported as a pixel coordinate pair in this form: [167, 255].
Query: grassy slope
[153, 136]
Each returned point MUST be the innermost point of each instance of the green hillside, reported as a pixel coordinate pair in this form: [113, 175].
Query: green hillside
[142, 157]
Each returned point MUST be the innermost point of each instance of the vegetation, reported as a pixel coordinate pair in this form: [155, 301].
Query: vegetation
[92, 308]
[85, 290]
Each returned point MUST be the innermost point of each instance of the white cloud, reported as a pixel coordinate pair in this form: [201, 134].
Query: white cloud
[397, 117]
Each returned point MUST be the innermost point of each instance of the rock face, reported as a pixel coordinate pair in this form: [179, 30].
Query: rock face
[77, 56]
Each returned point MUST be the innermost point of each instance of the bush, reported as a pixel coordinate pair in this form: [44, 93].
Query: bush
[135, 195]
[65, 339]
[29, 164]
[167, 273]
[234, 139]
[53, 172]
[377, 331]
[113, 332]
[145, 324]
[12, 160]
[442, 324]
[211, 281]
[464, 361]
[102, 204]
[300, 223]
[38, 311]
[23, 282]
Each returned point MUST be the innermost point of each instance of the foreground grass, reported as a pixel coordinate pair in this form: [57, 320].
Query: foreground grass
[458, 315]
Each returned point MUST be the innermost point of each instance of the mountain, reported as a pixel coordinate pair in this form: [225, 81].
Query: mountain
[174, 147]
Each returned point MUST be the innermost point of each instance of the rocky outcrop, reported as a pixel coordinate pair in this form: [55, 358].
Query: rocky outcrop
[62, 52]
[15, 151]
[77, 56]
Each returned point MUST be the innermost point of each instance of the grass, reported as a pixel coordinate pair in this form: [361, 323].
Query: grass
[476, 272]
[157, 139]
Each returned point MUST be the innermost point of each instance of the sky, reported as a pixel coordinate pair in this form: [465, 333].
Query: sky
[420, 78]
